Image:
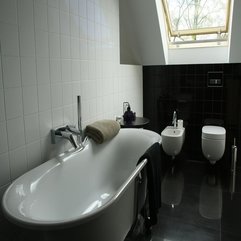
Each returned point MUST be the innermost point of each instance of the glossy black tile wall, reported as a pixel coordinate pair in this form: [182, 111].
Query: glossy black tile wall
[185, 88]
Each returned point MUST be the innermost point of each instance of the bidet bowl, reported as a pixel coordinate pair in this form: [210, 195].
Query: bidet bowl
[172, 140]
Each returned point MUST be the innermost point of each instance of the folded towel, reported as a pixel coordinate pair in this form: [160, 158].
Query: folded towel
[103, 130]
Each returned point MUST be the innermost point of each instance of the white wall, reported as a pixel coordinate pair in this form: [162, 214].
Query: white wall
[51, 52]
[142, 17]
[235, 40]
[129, 42]
[163, 28]
[204, 55]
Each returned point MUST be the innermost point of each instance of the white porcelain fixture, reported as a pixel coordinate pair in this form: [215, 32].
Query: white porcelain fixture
[90, 191]
[213, 142]
[172, 140]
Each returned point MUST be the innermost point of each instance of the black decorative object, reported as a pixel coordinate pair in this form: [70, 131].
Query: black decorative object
[129, 115]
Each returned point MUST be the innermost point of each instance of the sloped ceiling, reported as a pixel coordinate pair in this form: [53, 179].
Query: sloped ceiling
[141, 38]
[235, 41]
[140, 35]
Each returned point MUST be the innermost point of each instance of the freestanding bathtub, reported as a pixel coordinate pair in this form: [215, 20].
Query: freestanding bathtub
[82, 195]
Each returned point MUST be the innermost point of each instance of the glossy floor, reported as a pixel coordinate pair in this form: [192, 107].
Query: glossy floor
[197, 206]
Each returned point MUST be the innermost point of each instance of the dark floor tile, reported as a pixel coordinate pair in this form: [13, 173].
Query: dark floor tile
[194, 171]
[231, 217]
[227, 180]
[189, 210]
[229, 237]
[177, 230]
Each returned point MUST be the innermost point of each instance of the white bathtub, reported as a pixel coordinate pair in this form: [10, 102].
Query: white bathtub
[87, 194]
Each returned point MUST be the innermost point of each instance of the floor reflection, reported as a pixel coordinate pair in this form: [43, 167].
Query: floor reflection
[172, 187]
[210, 202]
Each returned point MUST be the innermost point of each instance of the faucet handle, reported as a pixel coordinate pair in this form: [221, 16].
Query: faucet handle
[73, 129]
[69, 136]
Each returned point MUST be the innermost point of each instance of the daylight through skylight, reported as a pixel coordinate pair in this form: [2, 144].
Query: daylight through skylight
[197, 20]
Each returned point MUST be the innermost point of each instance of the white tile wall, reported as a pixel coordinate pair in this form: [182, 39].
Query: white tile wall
[50, 52]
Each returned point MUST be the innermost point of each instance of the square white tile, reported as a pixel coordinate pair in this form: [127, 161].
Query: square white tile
[53, 3]
[57, 116]
[74, 7]
[98, 12]
[16, 134]
[18, 162]
[11, 72]
[75, 69]
[83, 28]
[83, 8]
[53, 20]
[90, 11]
[33, 154]
[84, 70]
[13, 103]
[93, 108]
[42, 43]
[83, 49]
[4, 170]
[74, 47]
[9, 39]
[28, 71]
[75, 92]
[74, 26]
[67, 93]
[54, 45]
[68, 114]
[44, 2]
[41, 16]
[43, 74]
[55, 70]
[64, 23]
[65, 46]
[2, 106]
[27, 42]
[45, 123]
[44, 97]
[64, 5]
[4, 137]
[91, 30]
[31, 123]
[1, 73]
[91, 50]
[8, 11]
[25, 13]
[56, 95]
[66, 70]
[30, 99]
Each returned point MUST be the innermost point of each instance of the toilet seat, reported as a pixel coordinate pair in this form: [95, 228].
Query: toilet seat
[213, 132]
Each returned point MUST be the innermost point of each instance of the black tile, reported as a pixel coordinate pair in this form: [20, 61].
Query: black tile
[231, 218]
[179, 230]
[230, 237]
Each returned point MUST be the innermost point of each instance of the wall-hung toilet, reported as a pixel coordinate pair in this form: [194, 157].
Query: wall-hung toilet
[213, 142]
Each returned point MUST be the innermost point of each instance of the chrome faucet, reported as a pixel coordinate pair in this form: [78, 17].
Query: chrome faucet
[63, 132]
[80, 136]
[69, 131]
[78, 131]
[174, 119]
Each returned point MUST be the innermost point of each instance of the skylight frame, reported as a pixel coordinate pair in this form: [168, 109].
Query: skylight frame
[200, 31]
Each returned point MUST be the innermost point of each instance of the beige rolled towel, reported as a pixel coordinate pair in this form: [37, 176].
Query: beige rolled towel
[103, 130]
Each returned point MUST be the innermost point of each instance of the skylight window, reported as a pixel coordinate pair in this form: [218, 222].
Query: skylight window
[197, 21]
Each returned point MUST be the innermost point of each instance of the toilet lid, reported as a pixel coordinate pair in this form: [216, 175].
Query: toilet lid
[214, 132]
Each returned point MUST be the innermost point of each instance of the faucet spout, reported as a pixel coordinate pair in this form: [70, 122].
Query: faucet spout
[174, 119]
[70, 132]
[69, 136]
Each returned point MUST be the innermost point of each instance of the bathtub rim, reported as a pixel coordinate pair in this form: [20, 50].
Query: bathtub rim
[71, 222]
